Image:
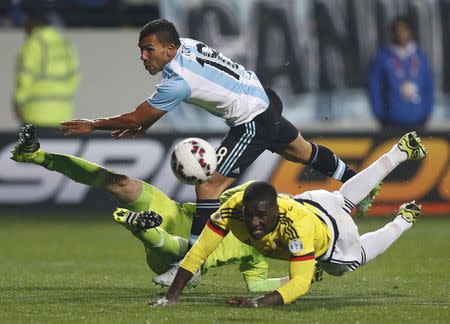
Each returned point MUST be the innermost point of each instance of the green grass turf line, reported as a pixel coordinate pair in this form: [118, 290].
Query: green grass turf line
[65, 269]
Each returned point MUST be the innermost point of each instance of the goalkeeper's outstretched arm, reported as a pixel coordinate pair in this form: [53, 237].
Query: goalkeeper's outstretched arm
[263, 285]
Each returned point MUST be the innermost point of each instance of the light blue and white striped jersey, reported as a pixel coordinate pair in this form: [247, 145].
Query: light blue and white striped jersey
[204, 77]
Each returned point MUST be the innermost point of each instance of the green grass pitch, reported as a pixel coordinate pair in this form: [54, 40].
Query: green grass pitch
[72, 269]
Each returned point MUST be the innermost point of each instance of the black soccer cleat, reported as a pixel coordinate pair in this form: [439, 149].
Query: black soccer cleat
[148, 219]
[137, 220]
[28, 142]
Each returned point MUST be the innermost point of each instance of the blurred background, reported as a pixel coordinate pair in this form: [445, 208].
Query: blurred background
[319, 56]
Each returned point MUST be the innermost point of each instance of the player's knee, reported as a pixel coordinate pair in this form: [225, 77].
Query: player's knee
[119, 183]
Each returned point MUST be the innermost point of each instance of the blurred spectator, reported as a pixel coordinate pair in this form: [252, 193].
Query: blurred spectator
[14, 14]
[401, 87]
[47, 74]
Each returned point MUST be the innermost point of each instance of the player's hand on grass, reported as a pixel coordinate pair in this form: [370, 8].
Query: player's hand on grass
[163, 301]
[242, 302]
[77, 127]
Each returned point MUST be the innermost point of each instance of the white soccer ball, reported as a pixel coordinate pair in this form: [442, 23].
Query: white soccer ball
[193, 161]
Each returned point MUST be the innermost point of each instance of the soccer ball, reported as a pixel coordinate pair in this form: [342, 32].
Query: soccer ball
[193, 161]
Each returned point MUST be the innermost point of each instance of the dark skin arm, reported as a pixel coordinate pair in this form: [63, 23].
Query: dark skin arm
[182, 278]
[175, 290]
[273, 298]
[134, 122]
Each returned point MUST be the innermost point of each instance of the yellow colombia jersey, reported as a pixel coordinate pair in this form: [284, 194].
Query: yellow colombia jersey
[299, 231]
[299, 236]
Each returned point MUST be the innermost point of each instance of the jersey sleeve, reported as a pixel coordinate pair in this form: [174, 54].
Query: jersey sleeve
[301, 272]
[202, 249]
[215, 230]
[169, 93]
[302, 260]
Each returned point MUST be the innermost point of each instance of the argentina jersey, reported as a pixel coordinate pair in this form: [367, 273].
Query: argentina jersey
[204, 77]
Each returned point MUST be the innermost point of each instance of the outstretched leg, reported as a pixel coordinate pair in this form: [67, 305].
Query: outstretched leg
[408, 148]
[375, 243]
[28, 150]
[160, 223]
[162, 249]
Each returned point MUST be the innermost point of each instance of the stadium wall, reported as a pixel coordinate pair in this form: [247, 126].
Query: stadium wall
[112, 77]
[315, 53]
[30, 187]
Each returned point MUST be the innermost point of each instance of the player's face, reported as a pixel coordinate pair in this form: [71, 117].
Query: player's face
[402, 34]
[260, 218]
[155, 55]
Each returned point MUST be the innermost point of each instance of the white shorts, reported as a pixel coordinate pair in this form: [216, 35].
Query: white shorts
[344, 254]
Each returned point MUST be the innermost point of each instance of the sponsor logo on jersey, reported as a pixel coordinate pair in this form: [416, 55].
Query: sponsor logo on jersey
[217, 216]
[295, 246]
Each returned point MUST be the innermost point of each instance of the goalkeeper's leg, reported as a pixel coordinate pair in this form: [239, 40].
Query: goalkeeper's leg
[28, 150]
[162, 247]
[135, 195]
[167, 250]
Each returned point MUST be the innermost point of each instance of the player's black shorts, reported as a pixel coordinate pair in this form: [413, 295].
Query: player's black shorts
[244, 143]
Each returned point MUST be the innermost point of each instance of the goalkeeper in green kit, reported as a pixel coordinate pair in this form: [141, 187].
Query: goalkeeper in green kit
[163, 227]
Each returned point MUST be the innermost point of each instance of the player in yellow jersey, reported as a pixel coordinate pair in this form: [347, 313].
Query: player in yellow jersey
[164, 227]
[315, 225]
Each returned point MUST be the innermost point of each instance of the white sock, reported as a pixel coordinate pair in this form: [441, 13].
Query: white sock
[359, 186]
[375, 243]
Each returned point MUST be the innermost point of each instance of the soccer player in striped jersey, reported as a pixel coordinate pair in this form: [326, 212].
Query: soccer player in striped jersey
[313, 226]
[164, 226]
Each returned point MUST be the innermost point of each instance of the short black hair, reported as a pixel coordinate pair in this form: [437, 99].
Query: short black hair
[260, 191]
[164, 30]
[402, 20]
